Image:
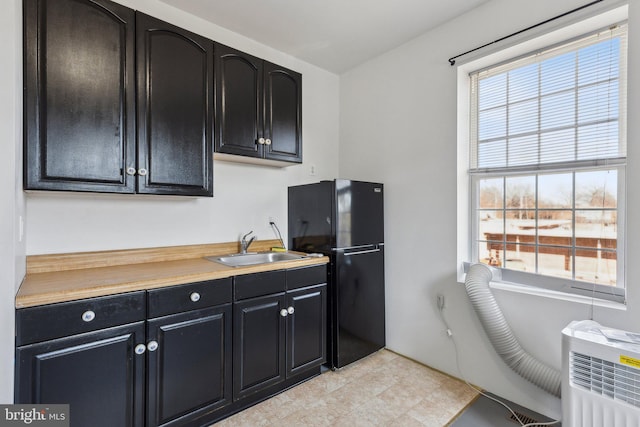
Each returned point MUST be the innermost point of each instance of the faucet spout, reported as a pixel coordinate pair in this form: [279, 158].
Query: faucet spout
[244, 243]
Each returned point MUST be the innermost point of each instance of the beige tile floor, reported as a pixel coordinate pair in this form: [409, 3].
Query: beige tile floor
[383, 389]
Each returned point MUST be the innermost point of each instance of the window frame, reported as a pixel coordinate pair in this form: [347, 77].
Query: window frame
[467, 217]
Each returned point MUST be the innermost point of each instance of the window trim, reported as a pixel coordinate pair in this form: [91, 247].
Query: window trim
[465, 211]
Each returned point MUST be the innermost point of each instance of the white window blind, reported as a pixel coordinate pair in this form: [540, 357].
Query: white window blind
[559, 107]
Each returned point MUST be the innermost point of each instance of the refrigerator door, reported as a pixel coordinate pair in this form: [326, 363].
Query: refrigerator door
[358, 303]
[359, 213]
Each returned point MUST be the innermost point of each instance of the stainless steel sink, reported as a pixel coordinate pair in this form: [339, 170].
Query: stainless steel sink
[239, 260]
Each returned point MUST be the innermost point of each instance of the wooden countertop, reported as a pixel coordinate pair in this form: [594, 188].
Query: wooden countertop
[67, 277]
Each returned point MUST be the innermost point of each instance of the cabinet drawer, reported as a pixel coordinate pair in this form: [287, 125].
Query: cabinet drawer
[306, 276]
[176, 299]
[51, 321]
[258, 284]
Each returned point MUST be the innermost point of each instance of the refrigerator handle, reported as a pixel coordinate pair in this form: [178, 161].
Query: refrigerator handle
[370, 251]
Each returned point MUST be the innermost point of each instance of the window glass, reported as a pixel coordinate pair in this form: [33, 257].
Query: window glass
[547, 163]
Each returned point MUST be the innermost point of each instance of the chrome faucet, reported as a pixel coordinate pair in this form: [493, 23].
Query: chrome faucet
[244, 244]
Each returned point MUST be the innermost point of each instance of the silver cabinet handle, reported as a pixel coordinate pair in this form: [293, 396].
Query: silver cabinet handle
[291, 310]
[261, 141]
[88, 315]
[267, 141]
[284, 312]
[152, 345]
[195, 297]
[140, 348]
[142, 172]
[131, 171]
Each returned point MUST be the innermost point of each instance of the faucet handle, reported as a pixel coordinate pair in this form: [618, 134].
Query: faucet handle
[244, 238]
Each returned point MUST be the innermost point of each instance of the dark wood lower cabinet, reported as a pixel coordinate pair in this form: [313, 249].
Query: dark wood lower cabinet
[277, 337]
[306, 328]
[259, 344]
[185, 355]
[189, 368]
[98, 374]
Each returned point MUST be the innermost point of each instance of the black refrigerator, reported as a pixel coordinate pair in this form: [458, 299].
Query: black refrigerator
[344, 219]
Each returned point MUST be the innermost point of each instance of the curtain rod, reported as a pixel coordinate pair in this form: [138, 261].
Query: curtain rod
[452, 60]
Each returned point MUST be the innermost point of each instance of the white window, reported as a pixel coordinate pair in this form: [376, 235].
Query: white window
[547, 165]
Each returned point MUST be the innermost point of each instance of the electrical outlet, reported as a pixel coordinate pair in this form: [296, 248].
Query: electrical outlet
[312, 170]
[440, 301]
[272, 219]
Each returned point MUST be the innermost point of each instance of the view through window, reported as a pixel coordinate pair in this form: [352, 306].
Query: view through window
[548, 155]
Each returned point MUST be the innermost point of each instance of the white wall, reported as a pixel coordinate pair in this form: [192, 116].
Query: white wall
[12, 259]
[245, 196]
[398, 126]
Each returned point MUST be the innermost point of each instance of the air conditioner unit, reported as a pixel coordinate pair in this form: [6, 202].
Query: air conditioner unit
[600, 376]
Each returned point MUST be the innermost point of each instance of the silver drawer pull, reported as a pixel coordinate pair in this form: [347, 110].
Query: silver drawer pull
[88, 316]
[195, 297]
[152, 345]
[291, 310]
[284, 312]
[140, 349]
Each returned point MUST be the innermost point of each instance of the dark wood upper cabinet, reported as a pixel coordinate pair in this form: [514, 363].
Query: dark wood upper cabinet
[79, 95]
[258, 107]
[239, 102]
[175, 96]
[282, 113]
[81, 60]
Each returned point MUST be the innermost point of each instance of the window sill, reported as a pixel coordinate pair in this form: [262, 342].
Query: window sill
[548, 293]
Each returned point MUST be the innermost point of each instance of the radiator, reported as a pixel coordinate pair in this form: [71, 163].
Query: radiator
[600, 376]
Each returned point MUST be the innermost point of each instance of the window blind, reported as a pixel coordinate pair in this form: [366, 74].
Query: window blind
[562, 107]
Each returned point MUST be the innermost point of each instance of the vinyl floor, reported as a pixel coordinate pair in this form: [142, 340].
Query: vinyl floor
[383, 389]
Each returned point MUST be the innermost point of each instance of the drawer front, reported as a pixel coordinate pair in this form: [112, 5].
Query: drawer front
[258, 284]
[306, 276]
[35, 324]
[177, 299]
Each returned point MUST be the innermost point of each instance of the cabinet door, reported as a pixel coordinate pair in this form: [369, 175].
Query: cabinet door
[175, 95]
[98, 374]
[283, 113]
[239, 88]
[189, 374]
[259, 344]
[306, 328]
[79, 100]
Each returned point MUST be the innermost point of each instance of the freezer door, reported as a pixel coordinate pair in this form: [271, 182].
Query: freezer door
[359, 213]
[359, 304]
[311, 217]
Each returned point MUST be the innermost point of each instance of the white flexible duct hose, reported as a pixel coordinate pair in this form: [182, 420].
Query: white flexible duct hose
[501, 336]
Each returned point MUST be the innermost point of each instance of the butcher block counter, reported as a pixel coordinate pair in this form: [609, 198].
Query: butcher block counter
[67, 277]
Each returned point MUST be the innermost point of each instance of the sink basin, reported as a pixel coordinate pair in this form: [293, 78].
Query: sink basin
[239, 260]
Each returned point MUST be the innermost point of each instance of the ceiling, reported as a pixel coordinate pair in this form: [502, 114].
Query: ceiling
[335, 35]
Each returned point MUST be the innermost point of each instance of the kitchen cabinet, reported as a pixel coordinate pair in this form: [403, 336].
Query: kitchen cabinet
[184, 355]
[307, 318]
[258, 108]
[175, 109]
[99, 370]
[99, 353]
[80, 104]
[278, 332]
[189, 352]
